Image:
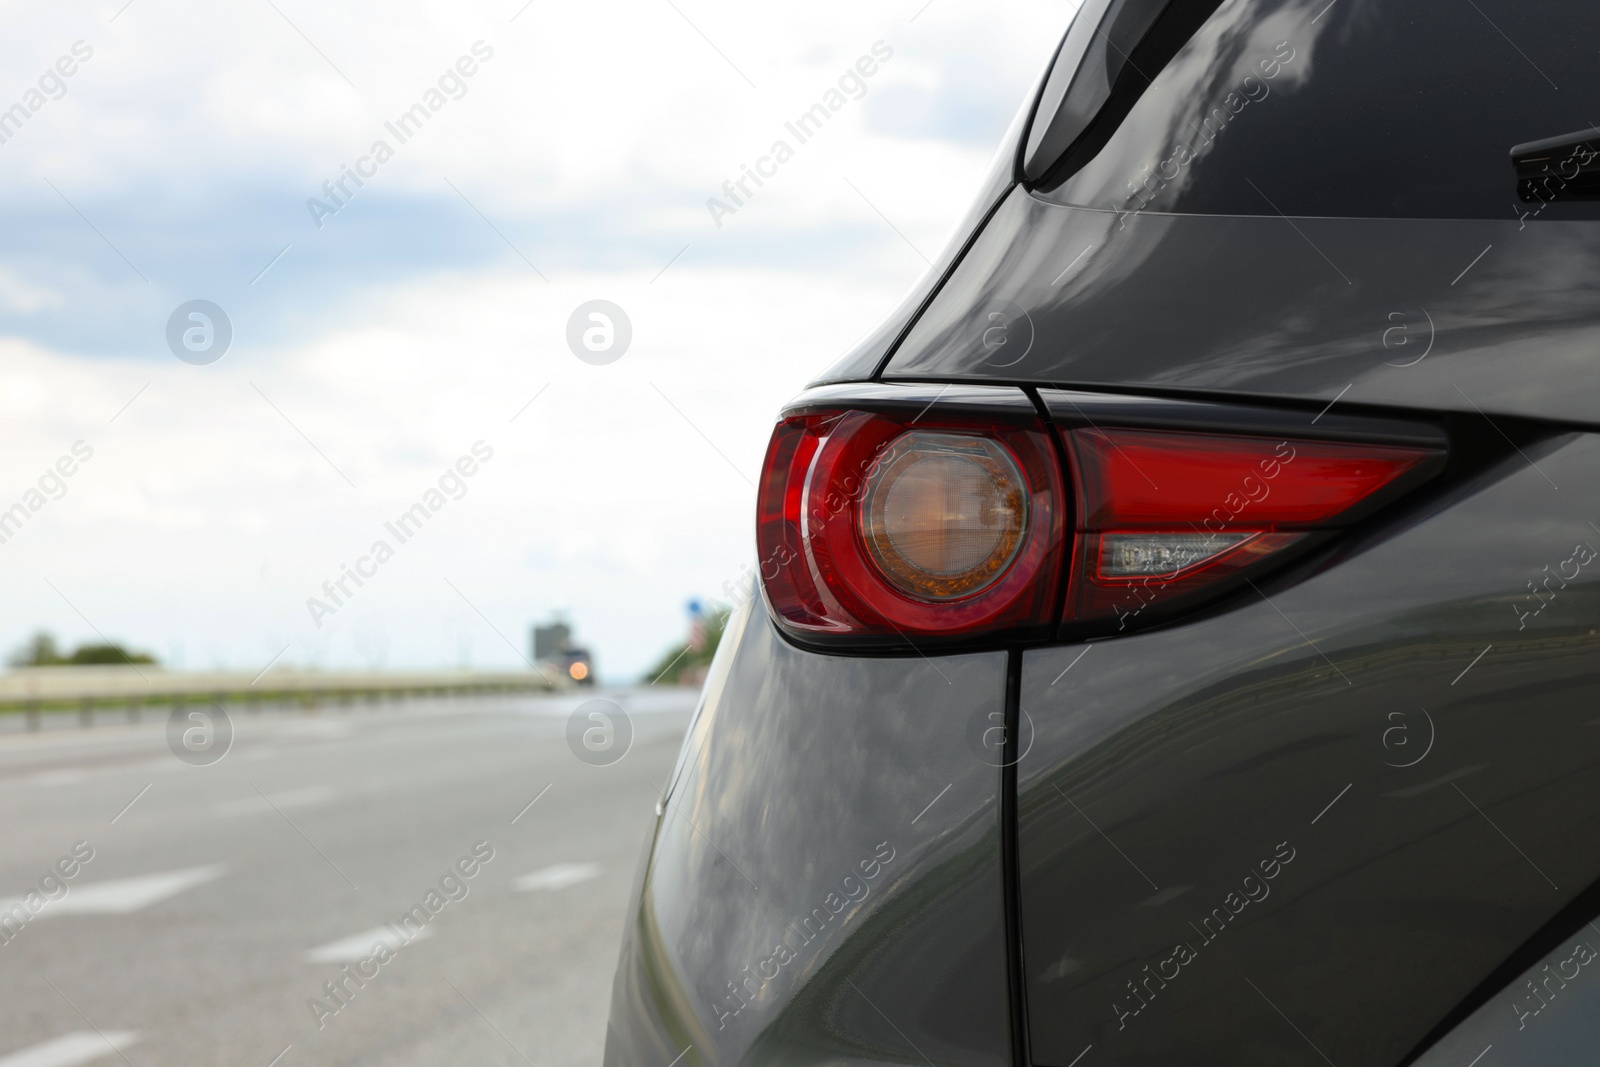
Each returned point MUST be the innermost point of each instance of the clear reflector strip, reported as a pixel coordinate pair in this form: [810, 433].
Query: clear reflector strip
[1146, 555]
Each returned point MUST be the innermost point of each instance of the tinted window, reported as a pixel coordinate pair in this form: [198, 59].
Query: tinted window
[1361, 108]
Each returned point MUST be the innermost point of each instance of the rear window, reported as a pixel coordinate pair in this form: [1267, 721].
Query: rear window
[1364, 108]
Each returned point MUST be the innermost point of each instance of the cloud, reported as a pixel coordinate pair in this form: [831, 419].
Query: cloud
[23, 297]
[411, 323]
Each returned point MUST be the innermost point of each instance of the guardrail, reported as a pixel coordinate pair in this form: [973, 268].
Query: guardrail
[133, 690]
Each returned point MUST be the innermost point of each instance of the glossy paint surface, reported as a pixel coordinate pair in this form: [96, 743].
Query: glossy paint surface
[845, 809]
[1320, 819]
[1467, 316]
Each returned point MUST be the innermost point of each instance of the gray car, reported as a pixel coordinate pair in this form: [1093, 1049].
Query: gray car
[1175, 639]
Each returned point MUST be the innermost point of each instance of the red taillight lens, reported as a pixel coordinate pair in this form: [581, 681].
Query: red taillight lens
[898, 526]
[878, 527]
[1165, 516]
[1144, 477]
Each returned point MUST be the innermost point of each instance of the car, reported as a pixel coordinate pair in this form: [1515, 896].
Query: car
[576, 664]
[1175, 637]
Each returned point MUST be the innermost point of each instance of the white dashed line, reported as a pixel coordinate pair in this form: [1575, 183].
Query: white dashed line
[360, 946]
[68, 1050]
[557, 877]
[124, 895]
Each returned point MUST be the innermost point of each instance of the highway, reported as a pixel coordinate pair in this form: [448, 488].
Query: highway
[222, 899]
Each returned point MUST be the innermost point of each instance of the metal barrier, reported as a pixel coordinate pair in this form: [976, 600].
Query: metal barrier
[33, 691]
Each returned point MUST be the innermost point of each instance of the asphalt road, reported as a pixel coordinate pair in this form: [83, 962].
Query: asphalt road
[221, 900]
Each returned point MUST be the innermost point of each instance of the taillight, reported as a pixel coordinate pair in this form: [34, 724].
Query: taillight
[896, 525]
[905, 520]
[944, 514]
[1165, 518]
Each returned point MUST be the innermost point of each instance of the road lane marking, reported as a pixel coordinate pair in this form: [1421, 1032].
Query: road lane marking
[124, 895]
[294, 798]
[68, 1050]
[557, 877]
[360, 946]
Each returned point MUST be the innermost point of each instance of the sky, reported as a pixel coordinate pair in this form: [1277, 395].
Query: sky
[389, 336]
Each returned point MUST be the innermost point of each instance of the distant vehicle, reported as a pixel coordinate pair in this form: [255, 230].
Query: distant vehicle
[577, 665]
[1164, 653]
[552, 645]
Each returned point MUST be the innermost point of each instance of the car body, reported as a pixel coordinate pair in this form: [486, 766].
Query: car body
[1323, 790]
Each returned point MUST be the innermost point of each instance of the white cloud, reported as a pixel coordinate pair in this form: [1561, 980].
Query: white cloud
[591, 139]
[18, 294]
